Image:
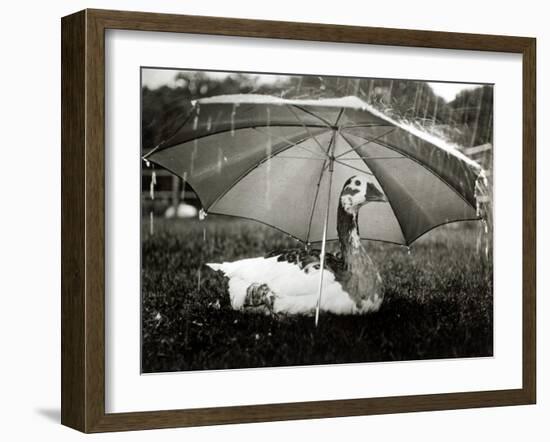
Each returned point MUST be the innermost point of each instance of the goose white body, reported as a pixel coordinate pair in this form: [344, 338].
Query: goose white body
[296, 291]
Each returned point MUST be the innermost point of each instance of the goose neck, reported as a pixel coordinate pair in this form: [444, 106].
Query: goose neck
[348, 235]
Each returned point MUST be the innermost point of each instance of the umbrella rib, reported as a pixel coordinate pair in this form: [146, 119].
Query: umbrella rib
[315, 200]
[373, 158]
[293, 144]
[351, 126]
[365, 143]
[323, 246]
[338, 117]
[162, 146]
[354, 168]
[321, 119]
[300, 158]
[167, 139]
[307, 129]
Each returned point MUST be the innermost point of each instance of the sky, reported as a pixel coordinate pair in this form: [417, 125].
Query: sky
[154, 78]
[448, 91]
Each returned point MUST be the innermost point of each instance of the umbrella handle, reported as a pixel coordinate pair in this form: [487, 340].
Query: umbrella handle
[324, 243]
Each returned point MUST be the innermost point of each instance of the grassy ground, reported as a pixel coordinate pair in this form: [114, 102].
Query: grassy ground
[438, 303]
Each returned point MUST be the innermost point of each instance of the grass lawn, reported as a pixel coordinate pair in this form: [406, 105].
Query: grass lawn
[438, 302]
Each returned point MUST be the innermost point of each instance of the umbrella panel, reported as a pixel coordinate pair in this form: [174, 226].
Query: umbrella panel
[215, 118]
[459, 173]
[213, 164]
[281, 191]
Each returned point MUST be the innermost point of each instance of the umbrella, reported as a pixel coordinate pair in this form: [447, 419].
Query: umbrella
[281, 162]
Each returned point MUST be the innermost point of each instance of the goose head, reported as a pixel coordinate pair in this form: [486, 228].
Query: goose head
[358, 191]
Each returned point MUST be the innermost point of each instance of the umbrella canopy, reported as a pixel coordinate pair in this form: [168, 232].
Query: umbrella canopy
[284, 163]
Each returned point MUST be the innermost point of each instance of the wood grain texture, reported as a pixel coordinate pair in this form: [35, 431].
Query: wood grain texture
[529, 221]
[73, 256]
[83, 220]
[95, 221]
[144, 21]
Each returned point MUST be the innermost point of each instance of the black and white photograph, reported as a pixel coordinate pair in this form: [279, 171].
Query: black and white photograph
[248, 221]
[298, 220]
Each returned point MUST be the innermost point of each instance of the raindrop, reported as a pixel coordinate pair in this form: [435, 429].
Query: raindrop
[209, 124]
[151, 225]
[481, 195]
[194, 155]
[409, 251]
[268, 153]
[196, 118]
[152, 185]
[219, 163]
[434, 116]
[233, 113]
[299, 86]
[183, 186]
[202, 216]
[147, 163]
[486, 225]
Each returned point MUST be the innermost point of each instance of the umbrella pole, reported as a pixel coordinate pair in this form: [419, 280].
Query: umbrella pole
[324, 243]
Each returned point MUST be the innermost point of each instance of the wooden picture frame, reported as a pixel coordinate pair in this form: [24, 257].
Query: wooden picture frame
[83, 220]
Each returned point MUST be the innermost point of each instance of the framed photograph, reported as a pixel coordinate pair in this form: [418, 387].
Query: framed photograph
[267, 221]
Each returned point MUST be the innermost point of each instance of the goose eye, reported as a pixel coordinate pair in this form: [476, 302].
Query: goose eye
[357, 182]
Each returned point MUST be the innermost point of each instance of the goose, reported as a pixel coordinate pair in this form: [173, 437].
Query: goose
[287, 281]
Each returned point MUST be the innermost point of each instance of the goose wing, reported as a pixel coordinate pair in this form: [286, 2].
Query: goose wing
[309, 260]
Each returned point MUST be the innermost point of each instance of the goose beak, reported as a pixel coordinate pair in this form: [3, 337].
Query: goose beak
[374, 194]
